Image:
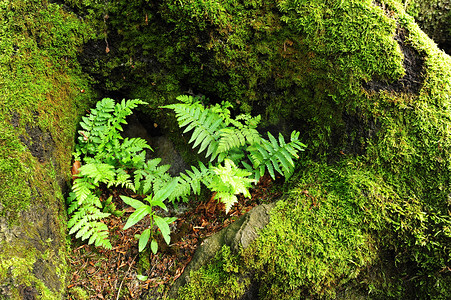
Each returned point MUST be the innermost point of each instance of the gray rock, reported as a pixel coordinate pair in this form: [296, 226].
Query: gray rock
[238, 235]
[162, 145]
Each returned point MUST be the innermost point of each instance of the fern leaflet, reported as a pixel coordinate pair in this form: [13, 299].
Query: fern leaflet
[204, 123]
[275, 156]
[230, 181]
[191, 182]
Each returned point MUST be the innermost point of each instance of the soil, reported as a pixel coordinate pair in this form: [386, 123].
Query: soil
[116, 273]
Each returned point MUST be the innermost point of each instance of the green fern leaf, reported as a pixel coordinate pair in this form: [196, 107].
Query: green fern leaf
[229, 180]
[99, 172]
[190, 182]
[82, 188]
[230, 138]
[151, 177]
[185, 99]
[228, 199]
[275, 156]
[204, 123]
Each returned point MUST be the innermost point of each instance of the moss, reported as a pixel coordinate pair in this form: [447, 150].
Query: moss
[367, 86]
[302, 61]
[321, 234]
[41, 97]
[18, 277]
[79, 294]
[434, 17]
[386, 205]
[39, 47]
[218, 280]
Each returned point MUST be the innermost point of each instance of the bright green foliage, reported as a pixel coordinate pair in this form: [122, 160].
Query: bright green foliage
[204, 123]
[190, 182]
[86, 221]
[228, 182]
[151, 177]
[232, 141]
[86, 207]
[236, 139]
[101, 140]
[275, 155]
[107, 159]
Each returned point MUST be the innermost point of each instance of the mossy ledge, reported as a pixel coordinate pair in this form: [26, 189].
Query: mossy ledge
[370, 219]
[41, 100]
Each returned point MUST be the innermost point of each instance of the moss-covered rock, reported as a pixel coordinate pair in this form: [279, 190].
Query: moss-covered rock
[372, 218]
[370, 91]
[434, 17]
[40, 100]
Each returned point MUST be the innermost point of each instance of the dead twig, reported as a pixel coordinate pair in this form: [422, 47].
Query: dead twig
[125, 276]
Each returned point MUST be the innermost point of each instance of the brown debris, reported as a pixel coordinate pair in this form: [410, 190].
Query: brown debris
[113, 274]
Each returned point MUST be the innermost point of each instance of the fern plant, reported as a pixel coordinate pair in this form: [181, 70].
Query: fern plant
[234, 141]
[214, 130]
[100, 139]
[86, 207]
[113, 161]
[107, 159]
[229, 181]
[235, 148]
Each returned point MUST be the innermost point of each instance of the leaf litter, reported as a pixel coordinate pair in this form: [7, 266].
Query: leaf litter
[124, 273]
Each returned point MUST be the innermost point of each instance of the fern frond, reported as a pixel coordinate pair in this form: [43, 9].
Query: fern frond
[94, 124]
[222, 110]
[85, 223]
[151, 177]
[99, 172]
[123, 179]
[228, 199]
[229, 180]
[252, 135]
[204, 123]
[82, 188]
[190, 182]
[230, 138]
[99, 236]
[121, 111]
[185, 99]
[275, 156]
[134, 145]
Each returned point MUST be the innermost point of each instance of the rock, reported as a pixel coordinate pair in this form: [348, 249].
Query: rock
[238, 235]
[162, 145]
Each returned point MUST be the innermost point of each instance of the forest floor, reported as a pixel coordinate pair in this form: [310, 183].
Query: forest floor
[124, 273]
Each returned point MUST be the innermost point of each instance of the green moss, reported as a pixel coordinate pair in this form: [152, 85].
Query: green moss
[38, 86]
[17, 270]
[218, 280]
[433, 16]
[335, 69]
[320, 235]
[79, 294]
[14, 172]
[41, 99]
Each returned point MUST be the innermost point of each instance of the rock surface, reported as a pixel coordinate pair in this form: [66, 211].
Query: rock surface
[238, 235]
